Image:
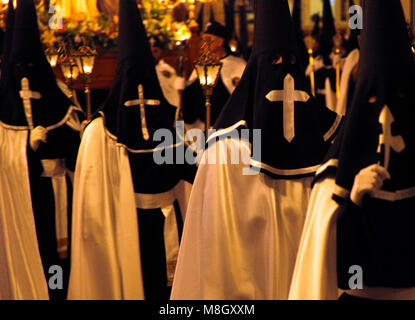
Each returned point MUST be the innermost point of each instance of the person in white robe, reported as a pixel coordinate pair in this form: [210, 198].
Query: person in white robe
[245, 217]
[362, 195]
[128, 210]
[39, 139]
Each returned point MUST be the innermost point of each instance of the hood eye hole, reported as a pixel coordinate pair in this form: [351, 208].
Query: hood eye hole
[277, 60]
[373, 100]
[293, 60]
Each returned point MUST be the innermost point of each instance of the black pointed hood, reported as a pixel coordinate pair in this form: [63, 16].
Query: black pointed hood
[135, 67]
[274, 33]
[316, 29]
[7, 43]
[1, 39]
[297, 18]
[27, 60]
[386, 78]
[379, 236]
[274, 60]
[353, 41]
[327, 33]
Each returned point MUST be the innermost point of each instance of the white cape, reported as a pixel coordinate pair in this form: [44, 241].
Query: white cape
[315, 274]
[241, 233]
[21, 271]
[105, 261]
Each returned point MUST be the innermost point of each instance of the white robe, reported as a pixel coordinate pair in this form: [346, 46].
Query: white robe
[241, 232]
[105, 261]
[21, 271]
[351, 61]
[315, 274]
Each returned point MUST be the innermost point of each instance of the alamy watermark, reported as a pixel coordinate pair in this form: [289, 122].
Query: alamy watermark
[198, 151]
[356, 17]
[356, 280]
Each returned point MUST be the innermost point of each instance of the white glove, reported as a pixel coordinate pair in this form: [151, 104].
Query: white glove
[368, 181]
[37, 135]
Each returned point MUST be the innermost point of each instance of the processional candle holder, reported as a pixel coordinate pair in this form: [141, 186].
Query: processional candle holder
[182, 38]
[310, 44]
[337, 51]
[85, 58]
[52, 54]
[208, 68]
[70, 71]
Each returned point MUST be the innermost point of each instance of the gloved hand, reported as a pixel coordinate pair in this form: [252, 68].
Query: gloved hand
[367, 181]
[37, 135]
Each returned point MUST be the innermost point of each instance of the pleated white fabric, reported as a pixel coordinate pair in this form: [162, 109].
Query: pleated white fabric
[21, 272]
[351, 61]
[241, 232]
[105, 261]
[315, 274]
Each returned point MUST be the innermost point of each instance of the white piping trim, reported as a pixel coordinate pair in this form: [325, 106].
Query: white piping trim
[227, 130]
[50, 128]
[284, 172]
[341, 192]
[330, 163]
[333, 128]
[395, 196]
[121, 145]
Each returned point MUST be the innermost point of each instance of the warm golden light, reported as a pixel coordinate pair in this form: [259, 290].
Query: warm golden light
[208, 69]
[233, 45]
[86, 64]
[70, 71]
[53, 60]
[52, 55]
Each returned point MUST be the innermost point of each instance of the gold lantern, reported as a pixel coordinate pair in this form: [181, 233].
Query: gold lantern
[208, 69]
[85, 60]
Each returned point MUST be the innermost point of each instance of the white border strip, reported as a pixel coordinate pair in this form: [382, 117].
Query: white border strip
[121, 145]
[330, 163]
[227, 130]
[395, 196]
[52, 127]
[333, 128]
[284, 172]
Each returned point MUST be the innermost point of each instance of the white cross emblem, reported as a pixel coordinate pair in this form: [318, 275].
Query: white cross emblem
[395, 142]
[26, 96]
[142, 103]
[289, 96]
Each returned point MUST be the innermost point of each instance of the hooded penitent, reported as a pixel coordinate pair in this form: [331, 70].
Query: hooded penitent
[30, 98]
[134, 111]
[49, 105]
[6, 43]
[1, 40]
[136, 107]
[297, 18]
[325, 46]
[272, 96]
[379, 129]
[353, 41]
